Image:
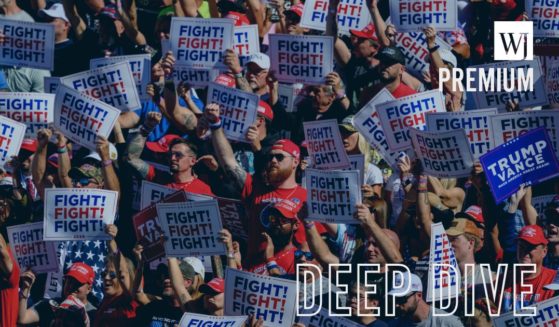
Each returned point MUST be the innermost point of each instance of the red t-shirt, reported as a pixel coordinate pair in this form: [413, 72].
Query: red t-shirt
[9, 297]
[539, 294]
[257, 196]
[285, 260]
[403, 90]
[196, 186]
[118, 312]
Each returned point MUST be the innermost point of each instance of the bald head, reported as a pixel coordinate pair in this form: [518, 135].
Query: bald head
[393, 237]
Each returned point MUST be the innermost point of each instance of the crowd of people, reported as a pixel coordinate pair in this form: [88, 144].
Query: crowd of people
[176, 139]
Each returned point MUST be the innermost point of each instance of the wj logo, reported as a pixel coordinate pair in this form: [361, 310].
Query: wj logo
[514, 40]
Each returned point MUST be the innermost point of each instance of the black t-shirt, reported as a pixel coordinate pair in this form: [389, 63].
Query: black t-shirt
[158, 313]
[359, 75]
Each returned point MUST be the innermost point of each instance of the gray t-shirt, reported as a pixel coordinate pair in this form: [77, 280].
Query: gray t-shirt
[431, 321]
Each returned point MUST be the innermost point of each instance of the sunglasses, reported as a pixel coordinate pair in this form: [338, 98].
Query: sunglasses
[178, 155]
[278, 156]
[84, 181]
[274, 219]
[112, 274]
[403, 299]
[300, 253]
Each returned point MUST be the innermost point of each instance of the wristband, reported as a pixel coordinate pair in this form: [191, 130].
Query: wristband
[145, 131]
[107, 163]
[271, 265]
[339, 97]
[238, 75]
[215, 125]
[435, 48]
[62, 150]
[309, 224]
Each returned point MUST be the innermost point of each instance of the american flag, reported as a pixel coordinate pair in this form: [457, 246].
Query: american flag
[92, 253]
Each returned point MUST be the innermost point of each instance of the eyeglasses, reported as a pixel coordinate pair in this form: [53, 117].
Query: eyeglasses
[112, 274]
[84, 181]
[300, 253]
[278, 156]
[403, 299]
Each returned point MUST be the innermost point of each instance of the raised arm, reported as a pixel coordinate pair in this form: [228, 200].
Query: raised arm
[380, 25]
[189, 7]
[452, 198]
[388, 248]
[222, 148]
[63, 160]
[137, 142]
[26, 316]
[74, 17]
[177, 281]
[258, 11]
[341, 51]
[232, 62]
[109, 175]
[423, 205]
[131, 30]
[6, 264]
[39, 163]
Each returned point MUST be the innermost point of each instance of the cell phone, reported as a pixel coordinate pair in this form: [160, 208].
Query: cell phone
[402, 155]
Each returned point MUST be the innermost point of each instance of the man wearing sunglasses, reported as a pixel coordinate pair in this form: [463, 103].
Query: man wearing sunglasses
[412, 310]
[78, 283]
[181, 153]
[257, 192]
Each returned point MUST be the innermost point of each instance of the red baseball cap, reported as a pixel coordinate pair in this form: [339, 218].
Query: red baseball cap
[533, 234]
[287, 146]
[473, 213]
[216, 285]
[29, 145]
[238, 18]
[82, 273]
[162, 145]
[286, 208]
[297, 9]
[369, 32]
[265, 110]
[225, 80]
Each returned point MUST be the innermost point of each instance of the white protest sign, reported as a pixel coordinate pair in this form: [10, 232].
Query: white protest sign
[140, 66]
[367, 123]
[324, 318]
[507, 126]
[11, 137]
[546, 314]
[82, 118]
[413, 15]
[289, 96]
[325, 145]
[269, 298]
[78, 213]
[397, 116]
[301, 58]
[245, 42]
[200, 42]
[51, 84]
[540, 204]
[545, 16]
[443, 154]
[509, 87]
[238, 110]
[54, 280]
[35, 110]
[475, 123]
[552, 80]
[27, 44]
[357, 162]
[332, 195]
[113, 84]
[190, 319]
[30, 250]
[414, 48]
[191, 228]
[444, 274]
[351, 15]
[153, 192]
[197, 78]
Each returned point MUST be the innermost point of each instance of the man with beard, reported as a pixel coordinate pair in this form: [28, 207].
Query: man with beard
[182, 157]
[277, 183]
[412, 310]
[391, 68]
